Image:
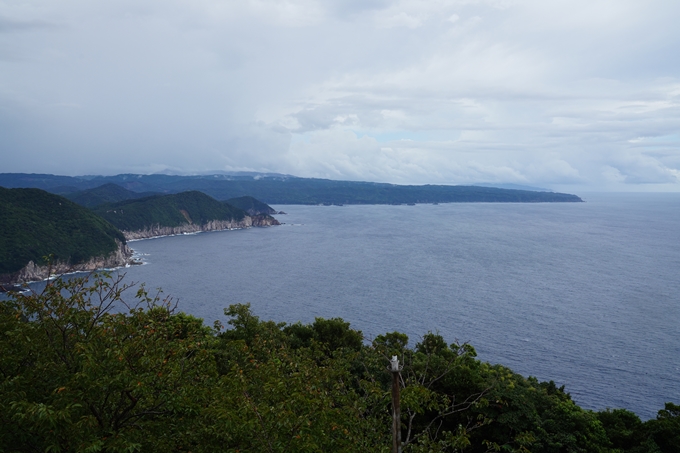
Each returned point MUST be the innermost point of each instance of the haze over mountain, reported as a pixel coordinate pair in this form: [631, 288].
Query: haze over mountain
[569, 95]
[277, 189]
[106, 193]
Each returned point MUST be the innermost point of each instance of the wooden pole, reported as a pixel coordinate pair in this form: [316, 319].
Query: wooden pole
[396, 409]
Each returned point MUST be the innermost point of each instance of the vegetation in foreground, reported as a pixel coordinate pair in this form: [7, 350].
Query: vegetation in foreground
[86, 368]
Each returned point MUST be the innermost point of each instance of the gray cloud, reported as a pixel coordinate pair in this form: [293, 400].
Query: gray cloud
[580, 94]
[8, 25]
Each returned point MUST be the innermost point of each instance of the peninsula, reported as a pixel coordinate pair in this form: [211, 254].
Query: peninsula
[43, 233]
[186, 212]
[284, 189]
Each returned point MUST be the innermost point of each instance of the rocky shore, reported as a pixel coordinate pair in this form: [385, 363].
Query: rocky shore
[122, 256]
[32, 272]
[213, 225]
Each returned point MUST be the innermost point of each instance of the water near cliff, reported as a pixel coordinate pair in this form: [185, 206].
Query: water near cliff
[586, 294]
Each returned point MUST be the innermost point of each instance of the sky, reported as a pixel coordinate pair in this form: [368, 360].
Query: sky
[571, 95]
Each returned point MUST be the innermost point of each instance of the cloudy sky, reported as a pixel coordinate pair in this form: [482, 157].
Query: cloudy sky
[572, 95]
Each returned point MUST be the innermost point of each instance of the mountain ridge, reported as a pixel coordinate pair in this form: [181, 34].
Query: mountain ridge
[290, 189]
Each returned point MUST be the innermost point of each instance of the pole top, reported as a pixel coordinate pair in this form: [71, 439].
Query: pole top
[395, 364]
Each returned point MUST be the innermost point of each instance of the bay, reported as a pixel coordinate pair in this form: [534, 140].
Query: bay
[585, 294]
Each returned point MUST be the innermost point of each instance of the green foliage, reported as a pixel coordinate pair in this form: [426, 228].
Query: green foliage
[285, 398]
[623, 428]
[35, 224]
[78, 376]
[86, 369]
[663, 433]
[330, 334]
[167, 210]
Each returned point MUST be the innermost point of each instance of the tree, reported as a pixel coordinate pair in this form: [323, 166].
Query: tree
[281, 390]
[435, 414]
[624, 429]
[87, 368]
[81, 374]
[663, 433]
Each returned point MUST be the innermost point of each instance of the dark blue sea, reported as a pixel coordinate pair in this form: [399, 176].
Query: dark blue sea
[585, 294]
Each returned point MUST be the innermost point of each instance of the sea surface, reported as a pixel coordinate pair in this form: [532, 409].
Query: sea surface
[585, 294]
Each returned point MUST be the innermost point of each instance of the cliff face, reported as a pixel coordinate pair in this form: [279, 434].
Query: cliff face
[33, 272]
[123, 254]
[213, 225]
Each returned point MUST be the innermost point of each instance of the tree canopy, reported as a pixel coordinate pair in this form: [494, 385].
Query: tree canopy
[91, 365]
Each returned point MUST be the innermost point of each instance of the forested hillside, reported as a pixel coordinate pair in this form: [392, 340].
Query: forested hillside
[35, 223]
[167, 210]
[251, 205]
[81, 375]
[107, 193]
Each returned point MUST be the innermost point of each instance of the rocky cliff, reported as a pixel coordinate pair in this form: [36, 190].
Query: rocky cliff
[122, 256]
[213, 225]
[32, 272]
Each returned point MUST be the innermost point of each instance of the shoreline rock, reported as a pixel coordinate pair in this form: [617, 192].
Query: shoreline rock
[32, 272]
[122, 256]
[213, 225]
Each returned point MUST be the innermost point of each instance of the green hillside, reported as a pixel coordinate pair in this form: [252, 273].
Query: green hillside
[35, 223]
[251, 205]
[167, 210]
[107, 193]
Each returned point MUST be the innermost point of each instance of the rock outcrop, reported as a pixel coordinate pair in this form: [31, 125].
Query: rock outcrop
[122, 256]
[264, 220]
[213, 225]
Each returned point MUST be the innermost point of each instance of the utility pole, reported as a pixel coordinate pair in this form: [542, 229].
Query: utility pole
[396, 409]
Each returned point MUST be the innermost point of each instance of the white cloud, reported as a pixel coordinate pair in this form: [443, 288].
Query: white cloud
[574, 93]
[401, 19]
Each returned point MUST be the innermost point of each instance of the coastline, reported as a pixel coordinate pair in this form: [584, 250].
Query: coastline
[156, 231]
[32, 272]
[124, 256]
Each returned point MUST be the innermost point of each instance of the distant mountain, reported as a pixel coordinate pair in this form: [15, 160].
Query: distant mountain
[35, 223]
[281, 189]
[251, 205]
[107, 193]
[513, 187]
[184, 212]
[238, 174]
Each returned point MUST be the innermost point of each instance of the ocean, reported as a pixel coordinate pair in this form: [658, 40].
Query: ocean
[585, 294]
